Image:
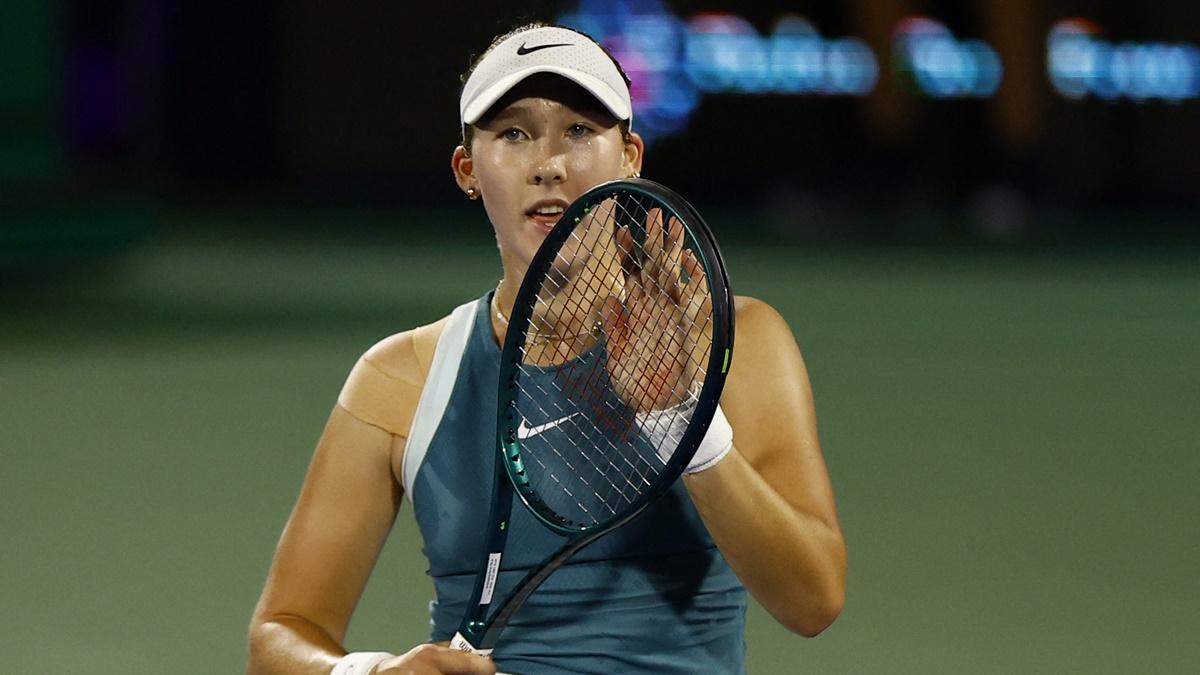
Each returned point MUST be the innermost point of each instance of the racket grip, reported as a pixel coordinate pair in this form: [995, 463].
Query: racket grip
[463, 645]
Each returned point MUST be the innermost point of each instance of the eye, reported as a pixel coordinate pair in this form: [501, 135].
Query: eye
[578, 130]
[512, 134]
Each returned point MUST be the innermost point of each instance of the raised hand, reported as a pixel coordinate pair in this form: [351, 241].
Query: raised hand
[658, 333]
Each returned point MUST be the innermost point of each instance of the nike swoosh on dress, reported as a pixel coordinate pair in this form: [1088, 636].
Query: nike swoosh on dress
[525, 431]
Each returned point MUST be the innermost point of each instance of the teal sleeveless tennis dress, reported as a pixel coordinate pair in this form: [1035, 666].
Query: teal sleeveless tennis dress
[655, 596]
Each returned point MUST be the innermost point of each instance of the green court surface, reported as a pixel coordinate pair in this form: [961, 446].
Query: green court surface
[1012, 436]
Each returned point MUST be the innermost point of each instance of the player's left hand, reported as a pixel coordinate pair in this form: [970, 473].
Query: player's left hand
[658, 336]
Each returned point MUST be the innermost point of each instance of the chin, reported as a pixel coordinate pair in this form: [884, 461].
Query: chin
[534, 236]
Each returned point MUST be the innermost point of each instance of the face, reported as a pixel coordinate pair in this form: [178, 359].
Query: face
[541, 146]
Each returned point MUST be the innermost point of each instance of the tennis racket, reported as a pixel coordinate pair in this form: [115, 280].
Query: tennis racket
[612, 367]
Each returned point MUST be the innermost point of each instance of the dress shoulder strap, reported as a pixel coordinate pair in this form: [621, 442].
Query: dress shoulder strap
[439, 385]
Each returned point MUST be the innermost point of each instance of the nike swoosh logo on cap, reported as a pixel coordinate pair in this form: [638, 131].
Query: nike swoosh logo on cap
[523, 50]
[525, 431]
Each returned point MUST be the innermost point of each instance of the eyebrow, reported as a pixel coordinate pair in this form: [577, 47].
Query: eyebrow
[513, 111]
[521, 111]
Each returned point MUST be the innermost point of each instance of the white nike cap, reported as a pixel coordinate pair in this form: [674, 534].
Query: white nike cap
[548, 49]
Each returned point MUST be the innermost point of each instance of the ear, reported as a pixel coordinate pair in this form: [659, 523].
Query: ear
[635, 150]
[464, 169]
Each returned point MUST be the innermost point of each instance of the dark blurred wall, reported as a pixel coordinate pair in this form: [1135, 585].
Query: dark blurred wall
[365, 95]
[357, 103]
[29, 66]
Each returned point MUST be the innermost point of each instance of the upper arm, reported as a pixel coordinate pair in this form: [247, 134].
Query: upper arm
[351, 494]
[769, 403]
[337, 528]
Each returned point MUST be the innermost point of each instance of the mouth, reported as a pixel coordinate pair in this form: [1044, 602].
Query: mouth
[546, 213]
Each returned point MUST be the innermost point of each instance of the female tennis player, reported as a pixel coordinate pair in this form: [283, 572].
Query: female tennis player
[546, 114]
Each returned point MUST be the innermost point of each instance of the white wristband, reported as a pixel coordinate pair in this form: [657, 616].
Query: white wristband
[360, 663]
[717, 443]
[666, 427]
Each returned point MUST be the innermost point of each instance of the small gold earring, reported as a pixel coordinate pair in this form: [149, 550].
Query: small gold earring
[472, 194]
[636, 174]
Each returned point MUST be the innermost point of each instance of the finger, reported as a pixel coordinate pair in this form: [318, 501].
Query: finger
[438, 659]
[670, 273]
[454, 662]
[697, 301]
[665, 272]
[635, 296]
[654, 231]
[608, 254]
[615, 325]
[697, 283]
[627, 248]
[653, 246]
[601, 218]
[635, 284]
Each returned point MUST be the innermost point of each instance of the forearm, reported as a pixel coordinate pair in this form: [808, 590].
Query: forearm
[289, 644]
[791, 562]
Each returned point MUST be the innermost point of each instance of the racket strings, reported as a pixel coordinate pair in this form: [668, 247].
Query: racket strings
[585, 453]
[618, 474]
[615, 388]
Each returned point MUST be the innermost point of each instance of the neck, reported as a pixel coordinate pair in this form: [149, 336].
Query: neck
[542, 330]
[503, 299]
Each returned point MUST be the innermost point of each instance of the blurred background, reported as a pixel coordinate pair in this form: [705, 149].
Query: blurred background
[980, 219]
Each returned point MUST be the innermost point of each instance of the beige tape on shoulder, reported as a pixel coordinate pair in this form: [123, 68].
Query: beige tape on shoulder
[380, 399]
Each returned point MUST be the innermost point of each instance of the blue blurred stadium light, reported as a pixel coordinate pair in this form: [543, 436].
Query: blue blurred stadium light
[1079, 63]
[673, 61]
[941, 66]
[726, 54]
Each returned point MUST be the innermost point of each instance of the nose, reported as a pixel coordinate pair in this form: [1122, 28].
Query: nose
[550, 168]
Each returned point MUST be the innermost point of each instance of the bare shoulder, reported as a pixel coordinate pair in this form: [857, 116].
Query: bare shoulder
[756, 320]
[767, 376]
[406, 356]
[385, 385]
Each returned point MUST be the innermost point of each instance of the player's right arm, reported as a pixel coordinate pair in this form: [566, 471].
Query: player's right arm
[328, 548]
[338, 527]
